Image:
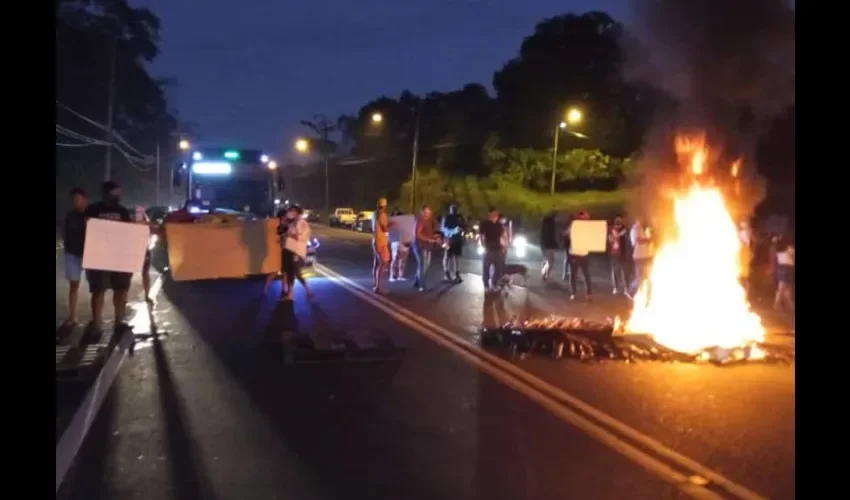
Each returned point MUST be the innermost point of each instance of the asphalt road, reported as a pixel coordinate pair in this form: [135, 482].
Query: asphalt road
[207, 410]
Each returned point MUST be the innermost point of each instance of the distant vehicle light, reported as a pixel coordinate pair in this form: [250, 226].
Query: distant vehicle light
[264, 158]
[194, 210]
[480, 250]
[212, 168]
[277, 201]
[231, 155]
[197, 156]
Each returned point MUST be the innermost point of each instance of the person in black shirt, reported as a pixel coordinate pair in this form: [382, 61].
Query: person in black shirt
[549, 244]
[100, 281]
[491, 233]
[74, 237]
[452, 229]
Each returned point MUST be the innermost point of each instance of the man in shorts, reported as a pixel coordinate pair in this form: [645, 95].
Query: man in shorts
[400, 241]
[101, 281]
[74, 237]
[380, 243]
[452, 229]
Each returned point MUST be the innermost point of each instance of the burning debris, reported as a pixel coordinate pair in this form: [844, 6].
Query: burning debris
[591, 341]
[691, 307]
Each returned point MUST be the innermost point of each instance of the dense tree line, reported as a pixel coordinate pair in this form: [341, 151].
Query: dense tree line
[103, 44]
[572, 60]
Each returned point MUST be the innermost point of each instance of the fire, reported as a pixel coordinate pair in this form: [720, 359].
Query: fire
[736, 168]
[693, 299]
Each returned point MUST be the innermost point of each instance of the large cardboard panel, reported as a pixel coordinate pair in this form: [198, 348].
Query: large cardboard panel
[202, 251]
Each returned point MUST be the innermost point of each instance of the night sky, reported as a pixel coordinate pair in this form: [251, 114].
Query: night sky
[249, 70]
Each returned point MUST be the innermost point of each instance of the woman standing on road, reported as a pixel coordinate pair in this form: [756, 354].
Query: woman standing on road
[295, 237]
[380, 244]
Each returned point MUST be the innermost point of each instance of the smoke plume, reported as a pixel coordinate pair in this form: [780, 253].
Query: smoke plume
[729, 64]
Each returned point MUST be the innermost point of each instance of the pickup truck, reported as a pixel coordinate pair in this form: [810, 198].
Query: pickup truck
[343, 217]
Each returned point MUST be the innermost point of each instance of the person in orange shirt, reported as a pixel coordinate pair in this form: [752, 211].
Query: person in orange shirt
[380, 244]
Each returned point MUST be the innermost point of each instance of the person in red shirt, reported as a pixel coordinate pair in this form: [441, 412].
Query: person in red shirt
[182, 215]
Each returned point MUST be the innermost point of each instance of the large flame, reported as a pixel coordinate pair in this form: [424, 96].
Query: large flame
[694, 299]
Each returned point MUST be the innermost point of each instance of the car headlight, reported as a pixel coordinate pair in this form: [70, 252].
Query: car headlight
[520, 242]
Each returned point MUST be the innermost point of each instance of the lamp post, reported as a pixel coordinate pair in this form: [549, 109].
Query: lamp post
[574, 117]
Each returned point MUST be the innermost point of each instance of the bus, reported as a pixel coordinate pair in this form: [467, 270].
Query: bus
[231, 180]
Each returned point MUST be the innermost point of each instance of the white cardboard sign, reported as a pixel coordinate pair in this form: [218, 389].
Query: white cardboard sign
[588, 236]
[115, 246]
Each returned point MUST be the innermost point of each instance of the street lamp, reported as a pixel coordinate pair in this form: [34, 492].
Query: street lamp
[378, 118]
[184, 145]
[573, 117]
[302, 146]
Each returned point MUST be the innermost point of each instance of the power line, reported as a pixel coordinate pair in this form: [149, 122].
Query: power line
[99, 125]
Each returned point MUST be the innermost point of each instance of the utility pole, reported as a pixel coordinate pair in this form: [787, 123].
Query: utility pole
[327, 187]
[413, 165]
[554, 160]
[110, 108]
[157, 173]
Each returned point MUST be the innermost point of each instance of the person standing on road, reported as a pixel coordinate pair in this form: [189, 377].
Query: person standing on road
[785, 260]
[492, 236]
[548, 243]
[73, 240]
[296, 236]
[745, 236]
[619, 252]
[182, 215]
[578, 261]
[640, 236]
[380, 244]
[452, 229]
[400, 241]
[101, 281]
[424, 241]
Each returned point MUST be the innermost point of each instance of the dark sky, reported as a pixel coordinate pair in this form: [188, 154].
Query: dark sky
[249, 70]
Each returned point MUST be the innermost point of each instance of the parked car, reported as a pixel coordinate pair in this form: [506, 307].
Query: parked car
[363, 222]
[311, 215]
[342, 217]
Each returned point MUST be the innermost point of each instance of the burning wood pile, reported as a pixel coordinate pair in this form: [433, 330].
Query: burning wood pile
[592, 341]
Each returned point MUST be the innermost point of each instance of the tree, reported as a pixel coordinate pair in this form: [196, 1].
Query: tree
[88, 33]
[571, 60]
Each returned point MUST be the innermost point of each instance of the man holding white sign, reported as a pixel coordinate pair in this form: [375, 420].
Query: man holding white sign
[100, 275]
[582, 237]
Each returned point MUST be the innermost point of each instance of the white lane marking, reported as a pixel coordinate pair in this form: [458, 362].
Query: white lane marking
[72, 439]
[548, 395]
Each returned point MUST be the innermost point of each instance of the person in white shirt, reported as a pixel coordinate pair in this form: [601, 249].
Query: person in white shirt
[295, 236]
[640, 237]
[785, 257]
[400, 240]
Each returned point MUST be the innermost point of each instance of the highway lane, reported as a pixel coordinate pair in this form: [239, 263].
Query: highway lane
[206, 410]
[738, 420]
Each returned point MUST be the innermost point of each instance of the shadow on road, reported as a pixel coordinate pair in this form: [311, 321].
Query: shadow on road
[188, 472]
[324, 412]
